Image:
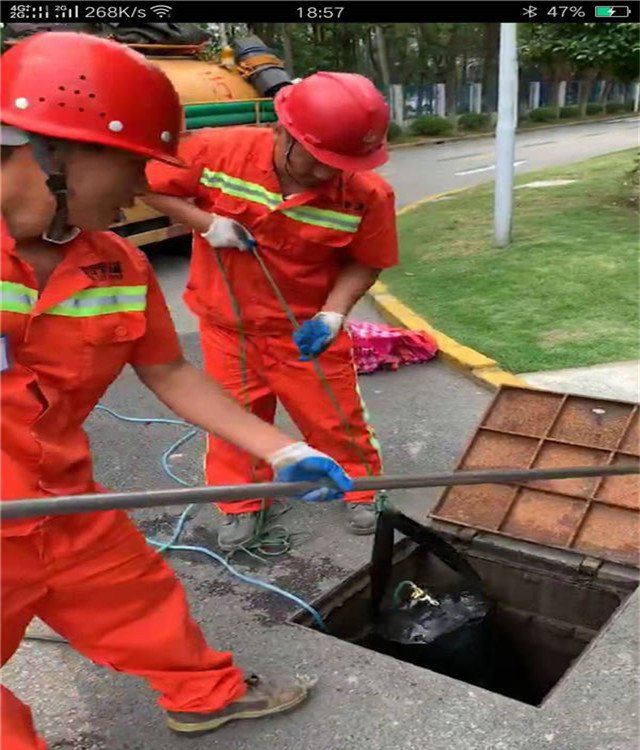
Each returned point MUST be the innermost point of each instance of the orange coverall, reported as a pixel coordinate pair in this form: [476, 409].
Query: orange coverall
[91, 577]
[305, 241]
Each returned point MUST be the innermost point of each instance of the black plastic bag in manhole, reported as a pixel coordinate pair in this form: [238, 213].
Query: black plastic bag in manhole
[445, 629]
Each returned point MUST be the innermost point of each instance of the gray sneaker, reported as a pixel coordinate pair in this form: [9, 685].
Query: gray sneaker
[264, 697]
[361, 518]
[237, 529]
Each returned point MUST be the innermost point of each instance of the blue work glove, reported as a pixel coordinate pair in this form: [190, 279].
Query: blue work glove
[301, 463]
[225, 232]
[317, 334]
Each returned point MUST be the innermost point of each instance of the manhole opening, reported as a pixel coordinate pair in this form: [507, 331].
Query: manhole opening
[546, 610]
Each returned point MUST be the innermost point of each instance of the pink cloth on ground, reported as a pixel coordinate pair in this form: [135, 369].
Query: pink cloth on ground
[382, 347]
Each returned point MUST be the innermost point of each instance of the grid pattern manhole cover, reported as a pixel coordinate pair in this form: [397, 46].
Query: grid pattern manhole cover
[536, 429]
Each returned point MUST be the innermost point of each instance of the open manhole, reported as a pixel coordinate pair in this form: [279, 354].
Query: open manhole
[556, 559]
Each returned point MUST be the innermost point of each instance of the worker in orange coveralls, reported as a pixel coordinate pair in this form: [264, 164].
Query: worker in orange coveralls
[80, 118]
[300, 196]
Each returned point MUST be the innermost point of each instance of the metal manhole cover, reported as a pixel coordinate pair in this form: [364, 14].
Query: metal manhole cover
[536, 429]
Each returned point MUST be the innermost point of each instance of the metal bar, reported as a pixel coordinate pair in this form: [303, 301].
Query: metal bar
[57, 506]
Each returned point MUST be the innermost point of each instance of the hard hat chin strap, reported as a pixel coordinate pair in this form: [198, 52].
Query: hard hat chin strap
[59, 231]
[287, 157]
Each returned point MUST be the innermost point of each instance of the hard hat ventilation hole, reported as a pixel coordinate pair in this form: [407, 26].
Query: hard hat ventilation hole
[62, 104]
[41, 99]
[92, 96]
[77, 91]
[21, 103]
[83, 78]
[103, 114]
[61, 88]
[80, 109]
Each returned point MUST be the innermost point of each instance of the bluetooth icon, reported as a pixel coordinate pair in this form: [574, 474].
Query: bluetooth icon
[530, 11]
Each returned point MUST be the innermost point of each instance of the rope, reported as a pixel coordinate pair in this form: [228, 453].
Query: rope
[317, 366]
[270, 536]
[268, 541]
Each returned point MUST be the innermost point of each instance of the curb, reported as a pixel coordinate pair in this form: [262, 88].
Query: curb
[519, 131]
[482, 368]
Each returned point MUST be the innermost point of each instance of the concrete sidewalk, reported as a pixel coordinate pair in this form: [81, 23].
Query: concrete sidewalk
[617, 380]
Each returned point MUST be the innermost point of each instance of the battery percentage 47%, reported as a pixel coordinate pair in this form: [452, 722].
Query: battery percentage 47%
[566, 11]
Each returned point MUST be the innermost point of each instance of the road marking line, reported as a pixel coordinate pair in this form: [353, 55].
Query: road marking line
[537, 143]
[462, 156]
[486, 169]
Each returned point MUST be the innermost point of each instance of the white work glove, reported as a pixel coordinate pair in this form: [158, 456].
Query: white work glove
[225, 232]
[317, 334]
[301, 463]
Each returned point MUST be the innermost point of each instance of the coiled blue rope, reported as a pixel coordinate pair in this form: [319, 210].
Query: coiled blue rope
[173, 544]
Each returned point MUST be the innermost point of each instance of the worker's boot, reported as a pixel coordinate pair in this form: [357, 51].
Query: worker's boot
[361, 518]
[263, 698]
[237, 529]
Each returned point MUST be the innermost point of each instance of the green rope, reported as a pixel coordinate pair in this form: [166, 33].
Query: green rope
[276, 540]
[268, 540]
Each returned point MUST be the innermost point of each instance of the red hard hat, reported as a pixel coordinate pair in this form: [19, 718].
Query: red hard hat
[341, 119]
[83, 88]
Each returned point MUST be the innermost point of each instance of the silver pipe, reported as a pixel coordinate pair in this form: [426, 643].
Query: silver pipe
[58, 506]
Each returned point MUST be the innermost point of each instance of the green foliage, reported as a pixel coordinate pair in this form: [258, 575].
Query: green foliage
[395, 132]
[628, 106]
[569, 113]
[474, 121]
[431, 125]
[543, 114]
[614, 108]
[577, 47]
[595, 108]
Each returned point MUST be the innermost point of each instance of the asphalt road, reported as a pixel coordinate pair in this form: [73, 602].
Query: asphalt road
[423, 416]
[426, 170]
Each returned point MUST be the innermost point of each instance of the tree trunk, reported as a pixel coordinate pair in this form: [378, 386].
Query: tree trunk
[586, 84]
[606, 91]
[363, 58]
[264, 31]
[451, 75]
[491, 43]
[222, 33]
[451, 83]
[383, 59]
[554, 99]
[287, 48]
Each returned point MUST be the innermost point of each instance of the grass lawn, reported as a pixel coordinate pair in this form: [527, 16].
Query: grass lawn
[564, 294]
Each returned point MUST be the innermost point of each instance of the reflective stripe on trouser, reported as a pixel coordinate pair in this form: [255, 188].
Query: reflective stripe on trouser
[118, 603]
[274, 373]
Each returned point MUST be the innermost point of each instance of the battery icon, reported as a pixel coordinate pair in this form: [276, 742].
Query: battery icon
[613, 11]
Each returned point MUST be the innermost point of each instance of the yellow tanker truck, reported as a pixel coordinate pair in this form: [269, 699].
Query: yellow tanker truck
[237, 88]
